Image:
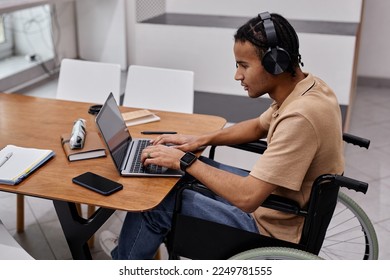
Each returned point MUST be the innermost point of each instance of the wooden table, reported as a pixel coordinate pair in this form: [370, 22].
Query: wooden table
[38, 122]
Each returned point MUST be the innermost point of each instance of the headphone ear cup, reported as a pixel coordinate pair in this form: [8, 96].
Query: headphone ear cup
[276, 60]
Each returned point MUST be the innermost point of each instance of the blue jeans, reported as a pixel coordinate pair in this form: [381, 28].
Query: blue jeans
[143, 232]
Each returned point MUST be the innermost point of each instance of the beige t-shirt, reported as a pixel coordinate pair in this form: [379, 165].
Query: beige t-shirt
[304, 141]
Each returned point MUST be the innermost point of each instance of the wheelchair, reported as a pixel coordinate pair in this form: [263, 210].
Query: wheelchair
[335, 226]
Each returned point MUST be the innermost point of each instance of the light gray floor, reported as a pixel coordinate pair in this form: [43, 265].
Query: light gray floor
[43, 237]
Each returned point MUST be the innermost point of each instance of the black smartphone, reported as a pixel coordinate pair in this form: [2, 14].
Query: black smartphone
[97, 183]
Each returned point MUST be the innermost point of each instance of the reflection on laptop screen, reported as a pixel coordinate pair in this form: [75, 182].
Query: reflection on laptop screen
[112, 125]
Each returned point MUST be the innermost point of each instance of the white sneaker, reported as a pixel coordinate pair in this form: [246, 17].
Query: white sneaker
[108, 241]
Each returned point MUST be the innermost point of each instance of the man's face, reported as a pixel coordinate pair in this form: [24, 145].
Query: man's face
[250, 72]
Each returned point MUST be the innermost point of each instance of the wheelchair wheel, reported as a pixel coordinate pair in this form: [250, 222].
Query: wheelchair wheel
[350, 234]
[275, 253]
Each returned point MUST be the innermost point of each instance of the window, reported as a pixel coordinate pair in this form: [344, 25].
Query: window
[2, 35]
[6, 40]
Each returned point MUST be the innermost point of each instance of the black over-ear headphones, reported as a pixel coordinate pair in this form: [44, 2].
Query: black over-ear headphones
[275, 60]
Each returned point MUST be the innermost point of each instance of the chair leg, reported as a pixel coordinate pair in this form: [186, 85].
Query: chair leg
[20, 213]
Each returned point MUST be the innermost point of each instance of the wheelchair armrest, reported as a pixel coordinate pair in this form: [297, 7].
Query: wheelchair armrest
[283, 204]
[273, 201]
[201, 189]
[260, 146]
[255, 147]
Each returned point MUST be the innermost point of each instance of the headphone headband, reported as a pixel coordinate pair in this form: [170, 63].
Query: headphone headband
[269, 29]
[275, 60]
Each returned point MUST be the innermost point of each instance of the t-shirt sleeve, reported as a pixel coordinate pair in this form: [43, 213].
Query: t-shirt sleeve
[290, 151]
[265, 118]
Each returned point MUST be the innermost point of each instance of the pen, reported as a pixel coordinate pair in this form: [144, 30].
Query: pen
[7, 157]
[149, 132]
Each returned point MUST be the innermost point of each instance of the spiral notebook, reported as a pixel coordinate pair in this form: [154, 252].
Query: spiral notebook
[16, 163]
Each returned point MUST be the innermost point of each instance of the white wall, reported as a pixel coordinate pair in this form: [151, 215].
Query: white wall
[330, 57]
[374, 58]
[208, 51]
[374, 55]
[65, 30]
[102, 31]
[333, 10]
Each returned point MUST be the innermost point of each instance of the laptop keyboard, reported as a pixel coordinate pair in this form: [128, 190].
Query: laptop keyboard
[137, 166]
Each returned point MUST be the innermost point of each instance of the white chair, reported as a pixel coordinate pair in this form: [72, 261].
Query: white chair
[9, 248]
[88, 81]
[159, 89]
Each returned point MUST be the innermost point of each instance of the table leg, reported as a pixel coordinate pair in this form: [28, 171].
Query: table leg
[91, 210]
[78, 230]
[19, 213]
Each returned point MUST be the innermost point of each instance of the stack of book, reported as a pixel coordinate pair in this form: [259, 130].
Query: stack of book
[139, 117]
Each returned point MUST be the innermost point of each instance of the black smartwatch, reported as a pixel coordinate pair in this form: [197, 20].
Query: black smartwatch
[186, 160]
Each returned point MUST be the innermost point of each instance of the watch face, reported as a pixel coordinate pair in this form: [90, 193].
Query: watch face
[188, 158]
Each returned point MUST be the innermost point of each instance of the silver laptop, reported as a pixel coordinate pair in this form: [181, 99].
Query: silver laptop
[125, 150]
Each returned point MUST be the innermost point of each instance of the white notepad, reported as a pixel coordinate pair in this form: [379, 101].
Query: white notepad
[21, 163]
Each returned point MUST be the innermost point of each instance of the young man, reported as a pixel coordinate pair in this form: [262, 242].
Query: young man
[304, 134]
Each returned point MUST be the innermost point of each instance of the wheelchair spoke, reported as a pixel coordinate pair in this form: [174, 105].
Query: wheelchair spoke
[350, 234]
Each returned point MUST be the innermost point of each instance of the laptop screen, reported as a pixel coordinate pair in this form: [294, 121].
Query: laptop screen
[112, 127]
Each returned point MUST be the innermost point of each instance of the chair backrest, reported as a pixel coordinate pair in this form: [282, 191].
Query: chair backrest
[88, 81]
[159, 89]
[9, 248]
